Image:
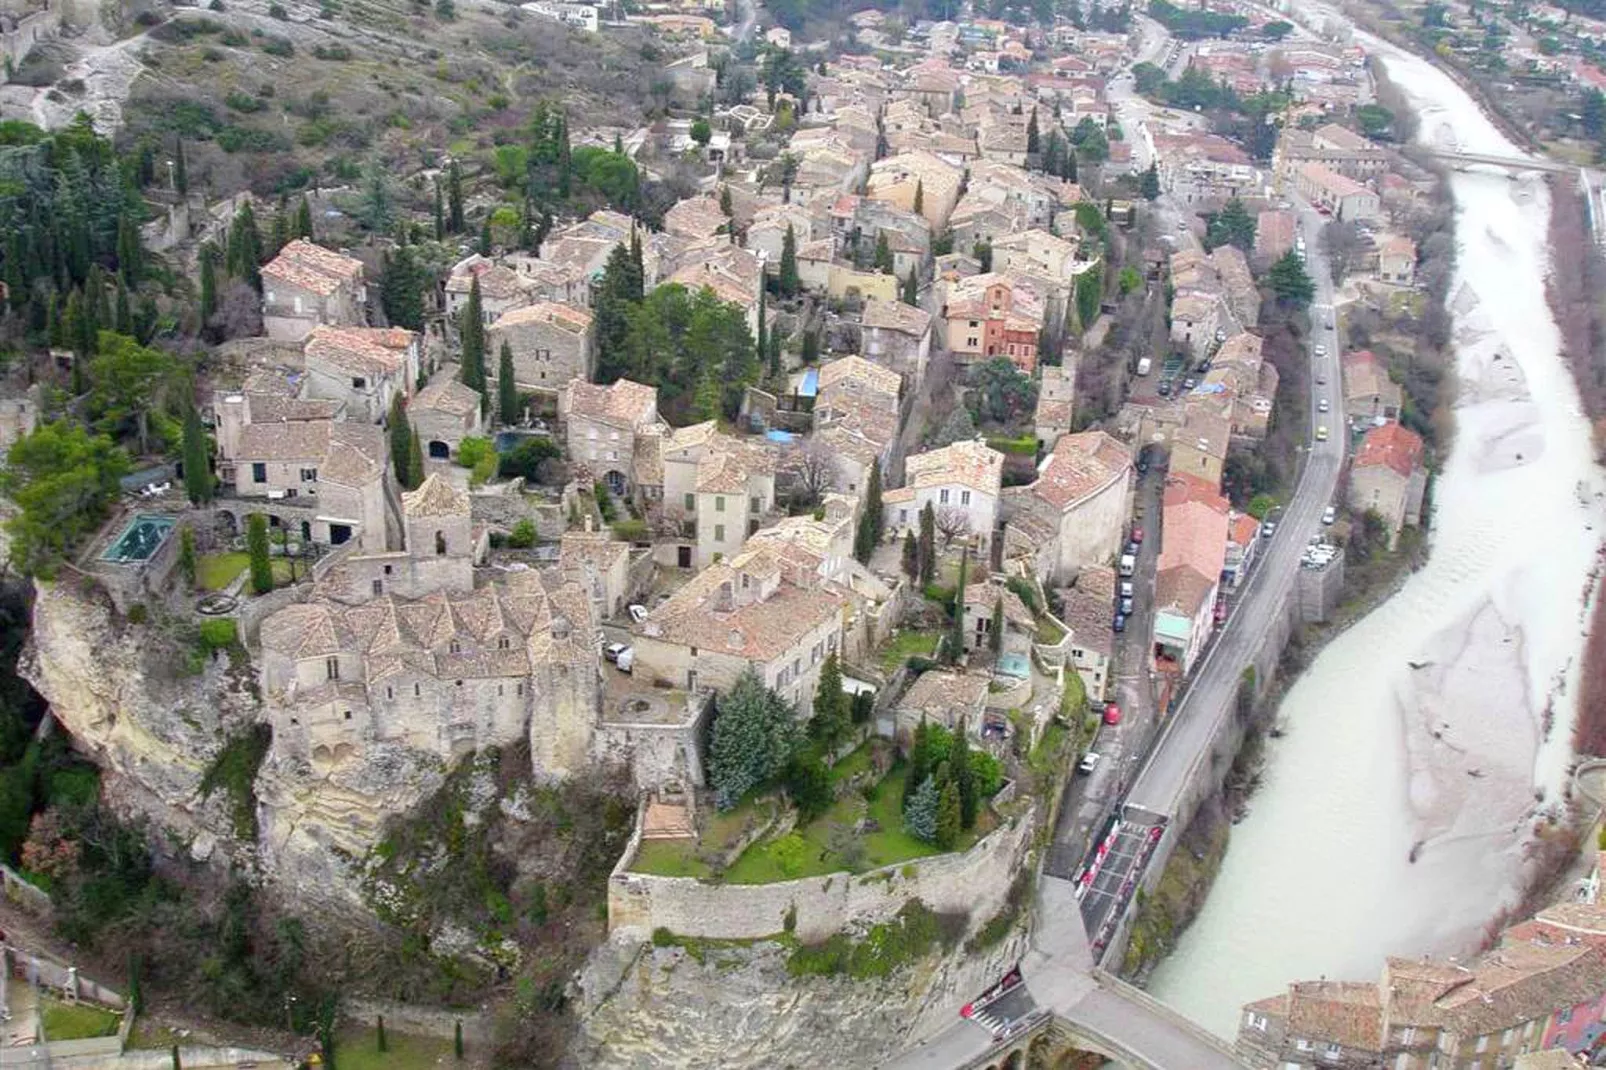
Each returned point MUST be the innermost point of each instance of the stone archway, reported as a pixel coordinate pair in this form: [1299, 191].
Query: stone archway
[616, 482]
[439, 451]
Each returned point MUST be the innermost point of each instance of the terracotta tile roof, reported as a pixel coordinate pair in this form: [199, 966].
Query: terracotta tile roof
[1518, 982]
[1088, 616]
[435, 497]
[1194, 534]
[365, 350]
[1080, 464]
[356, 455]
[597, 548]
[450, 396]
[857, 372]
[968, 463]
[1337, 1012]
[1181, 589]
[695, 217]
[985, 595]
[946, 694]
[705, 615]
[312, 267]
[625, 403]
[346, 453]
[498, 282]
[567, 317]
[1393, 446]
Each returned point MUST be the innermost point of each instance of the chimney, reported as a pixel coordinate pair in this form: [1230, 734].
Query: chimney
[724, 600]
[590, 521]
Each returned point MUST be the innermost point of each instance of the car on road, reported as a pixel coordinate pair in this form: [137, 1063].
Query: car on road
[1126, 589]
[638, 613]
[1165, 389]
[1182, 224]
[1137, 534]
[1118, 625]
[1268, 528]
[1321, 380]
[620, 654]
[1322, 405]
[1321, 351]
[1329, 515]
[1089, 762]
[1321, 433]
[1112, 713]
[1126, 607]
[1189, 384]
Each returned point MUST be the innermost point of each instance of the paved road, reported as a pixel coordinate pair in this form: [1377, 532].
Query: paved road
[1209, 699]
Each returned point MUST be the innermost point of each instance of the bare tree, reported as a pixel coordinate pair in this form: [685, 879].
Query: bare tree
[1343, 244]
[239, 313]
[951, 524]
[814, 475]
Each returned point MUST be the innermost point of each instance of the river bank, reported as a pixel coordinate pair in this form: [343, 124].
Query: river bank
[1395, 808]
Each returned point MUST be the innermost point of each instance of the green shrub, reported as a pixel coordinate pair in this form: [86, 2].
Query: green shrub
[138, 614]
[630, 530]
[234, 771]
[473, 450]
[218, 633]
[279, 46]
[332, 52]
[522, 537]
[662, 937]
[908, 937]
[243, 102]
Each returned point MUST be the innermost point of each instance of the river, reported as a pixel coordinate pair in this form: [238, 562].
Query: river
[1424, 722]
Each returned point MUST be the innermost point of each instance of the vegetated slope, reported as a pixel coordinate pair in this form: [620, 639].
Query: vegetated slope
[278, 97]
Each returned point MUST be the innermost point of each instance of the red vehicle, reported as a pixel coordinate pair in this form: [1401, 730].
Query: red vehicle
[1221, 610]
[1137, 535]
[1112, 713]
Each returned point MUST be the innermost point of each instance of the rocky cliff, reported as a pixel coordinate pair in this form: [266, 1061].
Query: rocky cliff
[644, 1007]
[128, 695]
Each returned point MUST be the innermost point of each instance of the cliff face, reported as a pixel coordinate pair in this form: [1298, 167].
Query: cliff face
[133, 708]
[658, 1008]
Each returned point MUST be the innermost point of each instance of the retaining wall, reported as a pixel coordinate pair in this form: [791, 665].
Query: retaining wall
[975, 883]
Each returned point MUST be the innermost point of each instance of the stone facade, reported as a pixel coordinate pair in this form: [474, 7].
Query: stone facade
[307, 285]
[551, 345]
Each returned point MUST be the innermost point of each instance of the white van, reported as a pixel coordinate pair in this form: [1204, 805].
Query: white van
[1129, 564]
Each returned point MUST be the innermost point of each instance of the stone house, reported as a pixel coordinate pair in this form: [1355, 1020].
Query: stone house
[502, 289]
[1342, 197]
[1243, 546]
[443, 414]
[1188, 574]
[897, 336]
[601, 424]
[766, 234]
[696, 218]
[600, 564]
[984, 323]
[1056, 403]
[363, 368]
[1396, 260]
[1197, 318]
[1388, 477]
[961, 482]
[1370, 393]
[325, 476]
[941, 697]
[551, 344]
[19, 414]
[754, 610]
[1035, 251]
[1088, 615]
[718, 488]
[897, 179]
[1080, 500]
[1020, 626]
[307, 285]
[1199, 445]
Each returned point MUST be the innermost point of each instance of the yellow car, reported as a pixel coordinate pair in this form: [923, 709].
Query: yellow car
[1321, 434]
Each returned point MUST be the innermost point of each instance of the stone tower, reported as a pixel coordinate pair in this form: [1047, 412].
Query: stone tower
[440, 536]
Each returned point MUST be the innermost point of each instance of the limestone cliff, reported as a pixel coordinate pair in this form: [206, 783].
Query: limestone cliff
[739, 1009]
[133, 706]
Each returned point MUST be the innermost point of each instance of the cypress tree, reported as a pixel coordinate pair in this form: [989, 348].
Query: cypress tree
[130, 264]
[181, 176]
[281, 230]
[1032, 138]
[198, 484]
[920, 197]
[256, 544]
[454, 198]
[788, 282]
[121, 317]
[208, 283]
[186, 555]
[472, 329]
[964, 776]
[303, 225]
[485, 237]
[507, 391]
[401, 440]
[440, 212]
[457, 1040]
[948, 814]
[775, 352]
[243, 258]
[415, 459]
[564, 166]
[177, 1065]
[883, 255]
[928, 545]
[954, 647]
[380, 1038]
[136, 993]
[911, 289]
[995, 640]
[911, 555]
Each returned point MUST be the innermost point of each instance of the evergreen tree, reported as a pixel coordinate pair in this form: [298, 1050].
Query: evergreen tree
[379, 1035]
[1033, 145]
[920, 812]
[954, 644]
[303, 224]
[883, 261]
[1149, 183]
[186, 554]
[485, 237]
[832, 718]
[507, 391]
[873, 503]
[181, 175]
[415, 458]
[911, 555]
[256, 544]
[775, 352]
[401, 440]
[754, 735]
[136, 992]
[130, 258]
[761, 344]
[1069, 174]
[454, 198]
[198, 482]
[208, 305]
[280, 236]
[725, 202]
[472, 329]
[995, 639]
[920, 197]
[964, 776]
[928, 545]
[122, 318]
[788, 282]
[565, 168]
[866, 535]
[440, 212]
[401, 289]
[918, 760]
[457, 1041]
[243, 259]
[1289, 281]
[811, 347]
[948, 815]
[95, 293]
[910, 291]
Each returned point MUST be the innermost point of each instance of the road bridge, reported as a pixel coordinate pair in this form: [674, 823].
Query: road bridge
[1459, 159]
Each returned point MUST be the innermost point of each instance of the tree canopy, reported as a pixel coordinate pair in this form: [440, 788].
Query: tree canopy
[755, 733]
[64, 480]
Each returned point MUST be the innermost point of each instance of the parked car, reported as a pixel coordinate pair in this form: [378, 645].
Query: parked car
[1089, 762]
[1126, 607]
[1329, 515]
[1321, 351]
[1137, 534]
[1118, 625]
[1221, 609]
[1129, 563]
[1112, 713]
[638, 613]
[1268, 528]
[612, 651]
[1165, 388]
[1322, 405]
[1126, 589]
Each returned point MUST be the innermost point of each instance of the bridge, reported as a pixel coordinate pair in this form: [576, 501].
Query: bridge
[1517, 164]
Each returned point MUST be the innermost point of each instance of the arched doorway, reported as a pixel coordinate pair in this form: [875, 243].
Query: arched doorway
[615, 480]
[439, 451]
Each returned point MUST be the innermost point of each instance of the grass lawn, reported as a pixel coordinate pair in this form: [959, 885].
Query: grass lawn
[358, 1050]
[213, 572]
[828, 844]
[150, 1036]
[852, 764]
[719, 833]
[76, 1021]
[905, 645]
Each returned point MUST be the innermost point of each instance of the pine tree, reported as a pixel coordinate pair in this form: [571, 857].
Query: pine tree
[507, 391]
[1033, 145]
[472, 329]
[303, 224]
[928, 545]
[911, 555]
[754, 734]
[919, 207]
[415, 459]
[181, 176]
[454, 198]
[401, 289]
[122, 318]
[256, 544]
[440, 212]
[401, 440]
[964, 776]
[198, 482]
[208, 283]
[948, 816]
[130, 259]
[788, 282]
[920, 812]
[910, 291]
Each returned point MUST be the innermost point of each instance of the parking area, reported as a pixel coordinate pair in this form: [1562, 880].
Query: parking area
[1113, 869]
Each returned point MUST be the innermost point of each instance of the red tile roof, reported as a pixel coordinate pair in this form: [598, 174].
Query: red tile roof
[1398, 447]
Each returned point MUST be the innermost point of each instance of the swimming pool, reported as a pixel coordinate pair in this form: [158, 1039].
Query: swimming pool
[1014, 665]
[142, 537]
